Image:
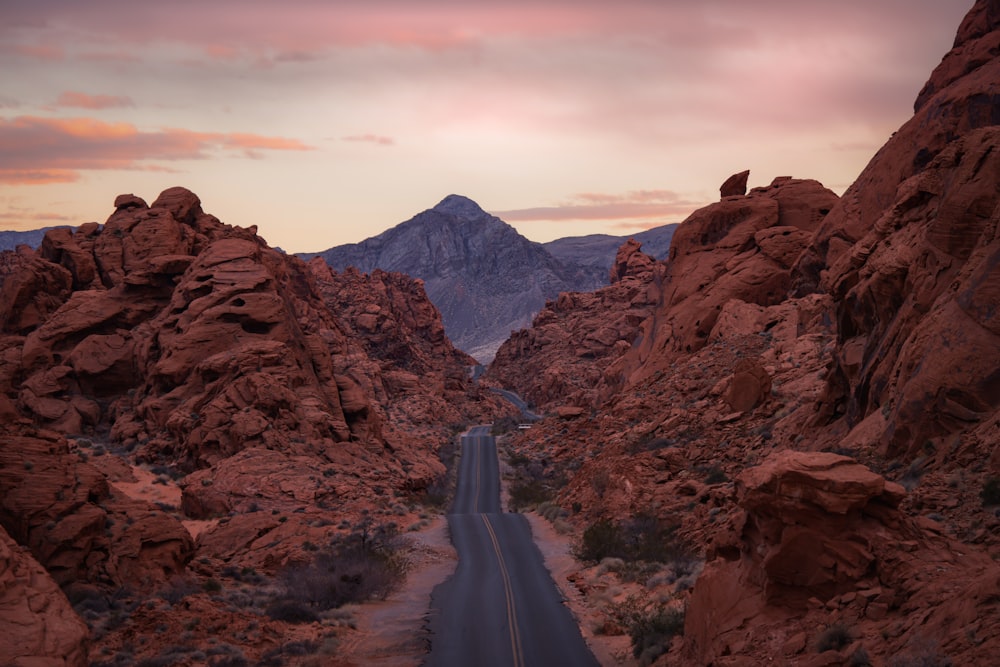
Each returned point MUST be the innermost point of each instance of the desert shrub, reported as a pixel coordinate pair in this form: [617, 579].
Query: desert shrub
[529, 493]
[651, 625]
[367, 564]
[504, 425]
[991, 491]
[859, 658]
[291, 611]
[640, 538]
[715, 475]
[648, 443]
[921, 653]
[834, 638]
[601, 539]
[177, 589]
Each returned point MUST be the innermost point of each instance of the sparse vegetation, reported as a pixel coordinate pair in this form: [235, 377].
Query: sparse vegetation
[991, 492]
[504, 425]
[651, 626]
[921, 653]
[367, 564]
[535, 482]
[834, 638]
[641, 538]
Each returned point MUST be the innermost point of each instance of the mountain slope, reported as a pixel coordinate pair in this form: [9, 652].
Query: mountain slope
[485, 278]
[33, 238]
[599, 250]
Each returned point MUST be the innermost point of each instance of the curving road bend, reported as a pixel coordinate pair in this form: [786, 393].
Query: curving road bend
[501, 606]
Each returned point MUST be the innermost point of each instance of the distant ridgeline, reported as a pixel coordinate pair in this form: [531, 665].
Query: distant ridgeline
[485, 278]
[32, 238]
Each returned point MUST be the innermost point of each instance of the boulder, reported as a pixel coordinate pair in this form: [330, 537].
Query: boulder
[735, 185]
[750, 385]
[38, 627]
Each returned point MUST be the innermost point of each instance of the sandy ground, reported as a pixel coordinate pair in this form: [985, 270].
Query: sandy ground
[140, 484]
[556, 549]
[392, 633]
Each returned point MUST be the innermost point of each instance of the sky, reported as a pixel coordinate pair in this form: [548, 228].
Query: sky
[326, 122]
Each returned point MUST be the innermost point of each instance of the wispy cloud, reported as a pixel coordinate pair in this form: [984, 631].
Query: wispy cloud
[371, 139]
[79, 100]
[631, 206]
[36, 150]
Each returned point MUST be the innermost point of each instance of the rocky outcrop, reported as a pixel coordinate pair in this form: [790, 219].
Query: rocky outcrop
[40, 627]
[910, 256]
[740, 249]
[484, 277]
[65, 511]
[821, 536]
[563, 356]
[791, 329]
[735, 185]
[165, 323]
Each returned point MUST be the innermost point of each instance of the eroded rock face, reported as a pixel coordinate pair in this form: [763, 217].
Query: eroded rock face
[562, 358]
[65, 511]
[872, 319]
[165, 324]
[40, 627]
[822, 534]
[196, 346]
[911, 258]
[742, 248]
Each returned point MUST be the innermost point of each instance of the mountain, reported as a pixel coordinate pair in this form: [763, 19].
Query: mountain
[808, 418]
[485, 278]
[599, 250]
[32, 238]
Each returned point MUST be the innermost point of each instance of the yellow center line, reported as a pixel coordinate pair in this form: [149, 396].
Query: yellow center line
[515, 635]
[475, 501]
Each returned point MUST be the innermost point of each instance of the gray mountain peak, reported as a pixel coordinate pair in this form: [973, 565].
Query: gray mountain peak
[460, 207]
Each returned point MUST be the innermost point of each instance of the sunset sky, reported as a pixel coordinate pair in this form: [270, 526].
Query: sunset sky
[326, 122]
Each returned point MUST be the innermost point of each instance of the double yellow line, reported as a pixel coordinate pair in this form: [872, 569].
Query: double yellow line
[515, 635]
[475, 501]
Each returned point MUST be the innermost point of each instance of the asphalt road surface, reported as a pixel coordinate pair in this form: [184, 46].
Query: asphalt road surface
[519, 403]
[501, 606]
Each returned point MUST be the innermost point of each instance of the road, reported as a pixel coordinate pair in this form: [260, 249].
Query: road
[501, 606]
[519, 403]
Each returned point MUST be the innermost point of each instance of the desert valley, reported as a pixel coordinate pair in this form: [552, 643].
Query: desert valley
[767, 435]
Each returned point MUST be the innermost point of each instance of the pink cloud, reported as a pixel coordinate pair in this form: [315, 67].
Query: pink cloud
[371, 139]
[84, 101]
[40, 52]
[37, 150]
[635, 205]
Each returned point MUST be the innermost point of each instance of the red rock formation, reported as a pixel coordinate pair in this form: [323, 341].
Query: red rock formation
[739, 249]
[177, 340]
[562, 357]
[910, 256]
[48, 631]
[735, 185]
[872, 318]
[74, 523]
[821, 539]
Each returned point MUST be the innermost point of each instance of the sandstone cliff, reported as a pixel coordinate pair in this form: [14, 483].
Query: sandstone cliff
[813, 401]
